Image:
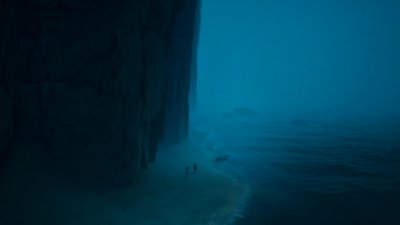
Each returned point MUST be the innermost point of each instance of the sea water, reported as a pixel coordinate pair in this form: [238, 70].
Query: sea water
[313, 172]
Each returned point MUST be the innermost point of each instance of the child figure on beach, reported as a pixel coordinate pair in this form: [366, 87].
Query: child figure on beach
[187, 170]
[195, 168]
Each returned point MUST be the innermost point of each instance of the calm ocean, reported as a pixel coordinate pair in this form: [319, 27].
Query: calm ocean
[313, 172]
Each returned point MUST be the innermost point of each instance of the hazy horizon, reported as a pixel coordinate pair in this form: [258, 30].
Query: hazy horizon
[312, 58]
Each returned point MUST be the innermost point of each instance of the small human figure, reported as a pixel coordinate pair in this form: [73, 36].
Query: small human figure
[187, 170]
[195, 168]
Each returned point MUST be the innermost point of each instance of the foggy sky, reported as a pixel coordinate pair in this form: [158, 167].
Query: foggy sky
[310, 57]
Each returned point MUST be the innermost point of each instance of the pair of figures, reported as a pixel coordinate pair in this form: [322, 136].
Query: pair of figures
[194, 169]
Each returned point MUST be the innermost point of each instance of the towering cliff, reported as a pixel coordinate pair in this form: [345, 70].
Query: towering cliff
[95, 85]
[182, 69]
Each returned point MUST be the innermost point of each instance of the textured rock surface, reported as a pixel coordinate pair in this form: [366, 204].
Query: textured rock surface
[181, 60]
[5, 122]
[96, 81]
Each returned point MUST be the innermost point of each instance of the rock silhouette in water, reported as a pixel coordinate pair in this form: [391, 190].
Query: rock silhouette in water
[244, 111]
[221, 158]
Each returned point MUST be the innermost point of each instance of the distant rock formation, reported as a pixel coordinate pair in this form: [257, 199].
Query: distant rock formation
[244, 111]
[221, 158]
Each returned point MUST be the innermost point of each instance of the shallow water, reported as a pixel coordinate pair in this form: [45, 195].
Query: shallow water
[314, 173]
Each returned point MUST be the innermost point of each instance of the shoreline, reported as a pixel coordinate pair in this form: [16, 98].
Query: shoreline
[165, 195]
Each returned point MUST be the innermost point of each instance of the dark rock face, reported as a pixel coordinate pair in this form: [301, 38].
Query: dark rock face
[96, 81]
[193, 81]
[182, 69]
[5, 122]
